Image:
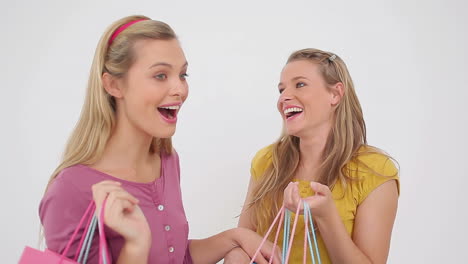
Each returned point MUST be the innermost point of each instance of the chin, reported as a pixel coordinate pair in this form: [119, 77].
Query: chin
[292, 131]
[163, 133]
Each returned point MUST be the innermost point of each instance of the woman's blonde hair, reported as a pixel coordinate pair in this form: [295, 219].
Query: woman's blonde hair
[98, 115]
[347, 136]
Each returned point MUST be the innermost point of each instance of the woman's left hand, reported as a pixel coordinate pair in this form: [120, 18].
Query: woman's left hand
[321, 204]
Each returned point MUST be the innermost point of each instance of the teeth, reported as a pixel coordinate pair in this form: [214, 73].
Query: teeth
[174, 107]
[292, 109]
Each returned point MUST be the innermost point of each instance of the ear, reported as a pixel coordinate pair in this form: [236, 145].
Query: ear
[111, 85]
[337, 92]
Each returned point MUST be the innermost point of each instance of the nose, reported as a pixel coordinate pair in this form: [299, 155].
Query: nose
[179, 89]
[285, 96]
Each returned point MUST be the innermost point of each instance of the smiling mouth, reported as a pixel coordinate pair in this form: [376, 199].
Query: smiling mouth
[169, 112]
[293, 111]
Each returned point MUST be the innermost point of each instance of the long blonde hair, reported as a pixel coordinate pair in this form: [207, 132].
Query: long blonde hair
[347, 136]
[98, 115]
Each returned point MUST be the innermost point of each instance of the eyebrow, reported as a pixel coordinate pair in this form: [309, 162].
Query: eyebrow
[166, 64]
[294, 79]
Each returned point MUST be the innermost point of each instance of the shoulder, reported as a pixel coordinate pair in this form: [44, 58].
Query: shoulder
[78, 177]
[70, 188]
[63, 205]
[170, 162]
[170, 158]
[71, 179]
[373, 161]
[371, 168]
[173, 156]
[261, 161]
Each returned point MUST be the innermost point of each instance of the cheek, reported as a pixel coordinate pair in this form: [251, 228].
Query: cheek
[143, 101]
[140, 98]
[137, 107]
[152, 94]
[280, 110]
[318, 105]
[279, 106]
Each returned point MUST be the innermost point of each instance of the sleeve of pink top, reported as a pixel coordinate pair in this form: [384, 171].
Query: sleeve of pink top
[60, 212]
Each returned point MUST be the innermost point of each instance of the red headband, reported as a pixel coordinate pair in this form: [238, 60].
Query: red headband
[122, 28]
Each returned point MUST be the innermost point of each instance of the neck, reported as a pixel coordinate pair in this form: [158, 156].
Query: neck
[311, 147]
[128, 148]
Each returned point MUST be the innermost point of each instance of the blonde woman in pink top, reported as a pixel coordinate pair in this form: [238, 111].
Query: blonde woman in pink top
[121, 150]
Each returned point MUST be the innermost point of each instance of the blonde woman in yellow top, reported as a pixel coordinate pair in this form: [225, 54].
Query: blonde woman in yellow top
[322, 156]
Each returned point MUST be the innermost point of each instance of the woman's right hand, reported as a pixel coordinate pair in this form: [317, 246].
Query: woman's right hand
[122, 214]
[237, 256]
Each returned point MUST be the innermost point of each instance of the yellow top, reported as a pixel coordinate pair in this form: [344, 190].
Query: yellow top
[347, 205]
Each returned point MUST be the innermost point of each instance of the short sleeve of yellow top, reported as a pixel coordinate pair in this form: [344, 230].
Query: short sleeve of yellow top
[347, 205]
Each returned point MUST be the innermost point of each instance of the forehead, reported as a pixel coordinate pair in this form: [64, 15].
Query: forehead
[303, 68]
[148, 52]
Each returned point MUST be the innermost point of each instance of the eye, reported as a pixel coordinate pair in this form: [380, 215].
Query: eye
[281, 90]
[300, 84]
[184, 76]
[161, 76]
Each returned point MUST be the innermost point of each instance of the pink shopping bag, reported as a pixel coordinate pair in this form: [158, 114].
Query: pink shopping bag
[34, 256]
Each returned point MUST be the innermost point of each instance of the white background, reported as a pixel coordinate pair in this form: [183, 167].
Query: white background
[408, 60]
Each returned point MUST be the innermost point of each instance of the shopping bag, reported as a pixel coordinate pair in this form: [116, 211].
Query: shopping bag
[34, 256]
[310, 243]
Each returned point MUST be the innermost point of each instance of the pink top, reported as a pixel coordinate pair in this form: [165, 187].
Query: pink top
[161, 201]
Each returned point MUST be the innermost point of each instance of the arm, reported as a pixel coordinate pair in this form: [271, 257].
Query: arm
[202, 249]
[213, 249]
[374, 222]
[372, 229]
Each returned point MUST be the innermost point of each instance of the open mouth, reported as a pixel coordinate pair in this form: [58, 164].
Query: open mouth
[169, 112]
[292, 112]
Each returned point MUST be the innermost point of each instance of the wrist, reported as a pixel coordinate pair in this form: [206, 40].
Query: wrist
[140, 245]
[133, 253]
[328, 218]
[236, 235]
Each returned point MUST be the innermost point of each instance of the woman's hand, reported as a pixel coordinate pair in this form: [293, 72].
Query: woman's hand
[321, 203]
[122, 214]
